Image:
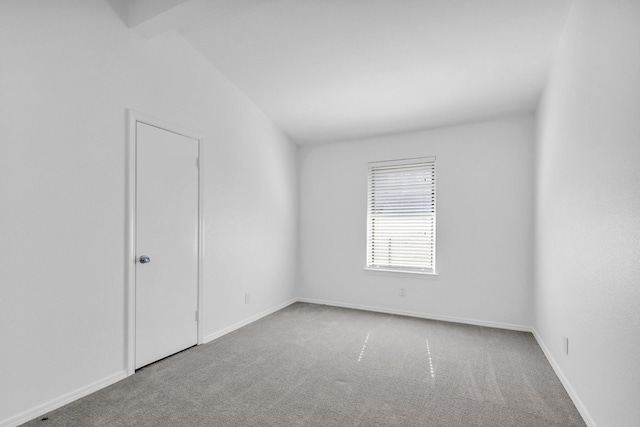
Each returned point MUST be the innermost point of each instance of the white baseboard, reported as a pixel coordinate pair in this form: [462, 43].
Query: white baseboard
[56, 403]
[565, 382]
[421, 315]
[245, 322]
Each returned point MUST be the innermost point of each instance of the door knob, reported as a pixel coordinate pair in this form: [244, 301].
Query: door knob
[144, 259]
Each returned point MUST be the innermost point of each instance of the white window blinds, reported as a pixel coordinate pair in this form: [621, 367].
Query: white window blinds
[401, 220]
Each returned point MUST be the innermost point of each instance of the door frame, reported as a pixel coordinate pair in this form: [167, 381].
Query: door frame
[135, 117]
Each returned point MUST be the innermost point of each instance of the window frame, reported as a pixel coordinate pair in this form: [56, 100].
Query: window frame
[428, 162]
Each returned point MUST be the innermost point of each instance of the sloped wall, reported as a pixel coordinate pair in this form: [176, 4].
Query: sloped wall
[69, 70]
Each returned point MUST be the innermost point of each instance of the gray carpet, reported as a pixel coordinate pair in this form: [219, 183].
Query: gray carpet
[314, 365]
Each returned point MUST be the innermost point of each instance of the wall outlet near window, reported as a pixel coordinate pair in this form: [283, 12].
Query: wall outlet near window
[247, 298]
[565, 345]
[403, 292]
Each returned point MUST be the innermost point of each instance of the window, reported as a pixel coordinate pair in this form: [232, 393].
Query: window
[401, 216]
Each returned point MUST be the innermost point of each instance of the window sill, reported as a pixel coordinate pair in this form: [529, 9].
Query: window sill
[399, 273]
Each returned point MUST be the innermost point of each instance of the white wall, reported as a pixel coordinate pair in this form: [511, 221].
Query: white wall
[484, 219]
[588, 210]
[68, 71]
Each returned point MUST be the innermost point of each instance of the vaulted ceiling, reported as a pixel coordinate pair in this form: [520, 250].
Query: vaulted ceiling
[340, 69]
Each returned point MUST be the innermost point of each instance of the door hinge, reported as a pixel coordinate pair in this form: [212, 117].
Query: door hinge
[198, 162]
[197, 316]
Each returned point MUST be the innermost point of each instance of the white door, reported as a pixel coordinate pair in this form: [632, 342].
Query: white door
[166, 282]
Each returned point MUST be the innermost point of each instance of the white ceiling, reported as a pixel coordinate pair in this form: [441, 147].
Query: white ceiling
[326, 70]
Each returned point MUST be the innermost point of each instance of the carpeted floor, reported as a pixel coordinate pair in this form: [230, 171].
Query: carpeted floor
[314, 365]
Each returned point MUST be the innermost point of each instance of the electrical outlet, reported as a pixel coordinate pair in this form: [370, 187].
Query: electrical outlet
[403, 292]
[565, 343]
[247, 298]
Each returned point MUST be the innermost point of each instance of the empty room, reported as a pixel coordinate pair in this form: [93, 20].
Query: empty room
[320, 213]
